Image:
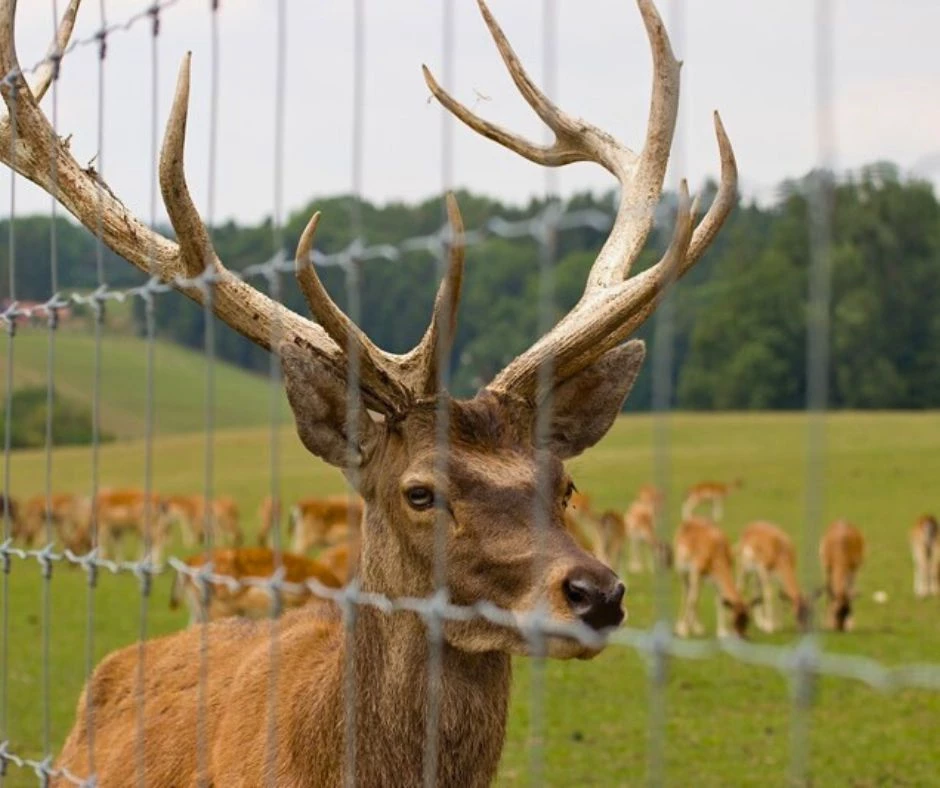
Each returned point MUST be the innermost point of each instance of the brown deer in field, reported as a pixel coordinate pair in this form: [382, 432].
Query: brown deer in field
[702, 552]
[315, 523]
[191, 513]
[499, 474]
[841, 552]
[639, 520]
[708, 492]
[925, 552]
[66, 512]
[122, 512]
[247, 601]
[765, 550]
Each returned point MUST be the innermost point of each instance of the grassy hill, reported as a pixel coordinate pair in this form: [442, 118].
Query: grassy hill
[241, 398]
[727, 723]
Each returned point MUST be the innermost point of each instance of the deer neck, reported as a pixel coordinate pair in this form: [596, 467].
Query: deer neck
[392, 669]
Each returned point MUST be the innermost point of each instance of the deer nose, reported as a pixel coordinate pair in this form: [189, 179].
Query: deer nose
[595, 600]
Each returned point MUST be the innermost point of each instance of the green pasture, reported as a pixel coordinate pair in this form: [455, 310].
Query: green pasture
[241, 398]
[580, 723]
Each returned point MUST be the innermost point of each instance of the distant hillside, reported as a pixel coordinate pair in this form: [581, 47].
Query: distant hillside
[241, 398]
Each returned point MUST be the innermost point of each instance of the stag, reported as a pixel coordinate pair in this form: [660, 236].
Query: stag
[500, 464]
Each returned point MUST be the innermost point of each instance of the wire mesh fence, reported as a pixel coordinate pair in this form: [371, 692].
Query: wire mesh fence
[800, 662]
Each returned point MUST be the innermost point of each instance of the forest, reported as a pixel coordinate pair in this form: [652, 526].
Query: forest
[737, 324]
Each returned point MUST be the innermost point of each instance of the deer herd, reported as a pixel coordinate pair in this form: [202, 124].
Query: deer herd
[327, 698]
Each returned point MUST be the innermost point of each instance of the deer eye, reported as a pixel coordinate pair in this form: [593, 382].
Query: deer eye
[420, 498]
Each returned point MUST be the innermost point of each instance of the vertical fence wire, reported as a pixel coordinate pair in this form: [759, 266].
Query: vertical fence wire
[146, 578]
[820, 206]
[52, 323]
[547, 239]
[353, 396]
[98, 305]
[441, 423]
[7, 440]
[276, 391]
[208, 291]
[663, 395]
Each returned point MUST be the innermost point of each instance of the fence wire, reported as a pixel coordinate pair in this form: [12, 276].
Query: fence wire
[802, 662]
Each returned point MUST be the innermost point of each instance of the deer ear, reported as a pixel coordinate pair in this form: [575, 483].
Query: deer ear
[319, 399]
[585, 405]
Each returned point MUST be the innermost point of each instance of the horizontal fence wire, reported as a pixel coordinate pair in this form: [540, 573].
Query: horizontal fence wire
[797, 661]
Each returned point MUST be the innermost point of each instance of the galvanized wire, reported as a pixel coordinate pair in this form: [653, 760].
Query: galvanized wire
[98, 308]
[820, 203]
[7, 438]
[274, 370]
[208, 292]
[353, 264]
[663, 363]
[51, 323]
[541, 515]
[442, 525]
[146, 575]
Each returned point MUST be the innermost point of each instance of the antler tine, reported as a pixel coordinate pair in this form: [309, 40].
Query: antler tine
[197, 251]
[407, 377]
[575, 140]
[377, 369]
[584, 335]
[724, 200]
[434, 348]
[244, 308]
[612, 306]
[47, 70]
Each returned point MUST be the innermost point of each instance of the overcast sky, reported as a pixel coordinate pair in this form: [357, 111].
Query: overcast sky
[752, 60]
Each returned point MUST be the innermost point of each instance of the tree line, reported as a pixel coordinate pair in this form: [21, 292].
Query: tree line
[738, 321]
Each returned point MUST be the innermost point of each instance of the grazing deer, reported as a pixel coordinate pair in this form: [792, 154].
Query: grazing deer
[708, 492]
[646, 548]
[766, 551]
[269, 515]
[247, 601]
[841, 552]
[499, 467]
[69, 515]
[926, 555]
[315, 523]
[702, 551]
[129, 511]
[189, 511]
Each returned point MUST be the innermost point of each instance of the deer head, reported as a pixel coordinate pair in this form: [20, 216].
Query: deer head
[498, 471]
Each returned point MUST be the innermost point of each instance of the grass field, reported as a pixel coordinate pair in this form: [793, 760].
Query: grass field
[179, 385]
[727, 724]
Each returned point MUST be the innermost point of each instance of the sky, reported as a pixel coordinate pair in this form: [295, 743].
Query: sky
[753, 61]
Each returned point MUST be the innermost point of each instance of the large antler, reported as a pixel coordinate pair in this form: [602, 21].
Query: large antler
[29, 145]
[613, 305]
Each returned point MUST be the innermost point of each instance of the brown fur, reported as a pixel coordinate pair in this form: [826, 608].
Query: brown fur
[925, 553]
[708, 492]
[248, 601]
[68, 515]
[489, 555]
[189, 511]
[639, 520]
[841, 552]
[128, 511]
[702, 550]
[765, 550]
[342, 559]
[269, 516]
[315, 523]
